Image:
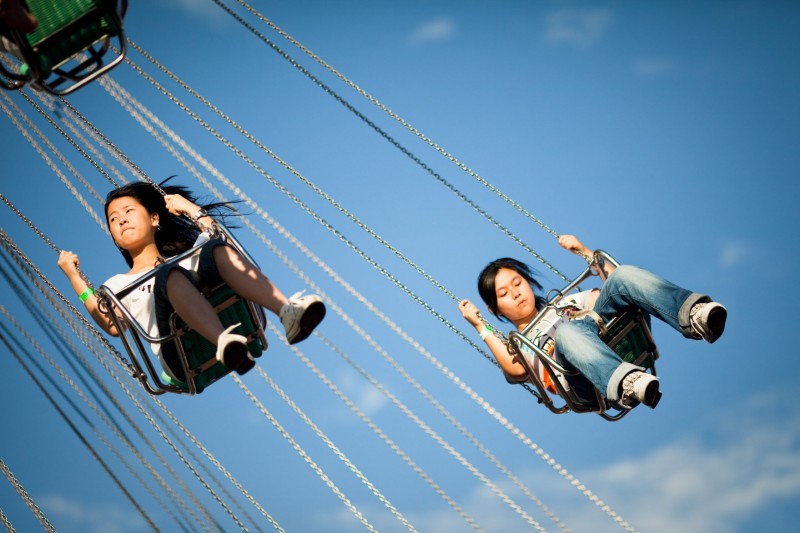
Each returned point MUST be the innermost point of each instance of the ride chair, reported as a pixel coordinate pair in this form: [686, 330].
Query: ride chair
[628, 334]
[197, 356]
[71, 44]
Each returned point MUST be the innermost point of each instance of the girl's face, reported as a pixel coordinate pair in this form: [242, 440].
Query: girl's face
[515, 298]
[130, 224]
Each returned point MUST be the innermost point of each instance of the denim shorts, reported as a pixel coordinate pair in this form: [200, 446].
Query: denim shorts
[206, 278]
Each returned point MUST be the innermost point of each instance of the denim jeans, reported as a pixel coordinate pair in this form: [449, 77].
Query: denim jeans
[578, 344]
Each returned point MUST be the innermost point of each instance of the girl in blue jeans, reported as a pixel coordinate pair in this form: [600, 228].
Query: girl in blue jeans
[507, 287]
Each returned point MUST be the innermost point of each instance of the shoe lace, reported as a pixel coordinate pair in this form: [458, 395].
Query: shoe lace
[628, 383]
[294, 298]
[694, 318]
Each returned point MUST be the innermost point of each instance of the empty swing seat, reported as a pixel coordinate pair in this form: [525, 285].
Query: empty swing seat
[70, 47]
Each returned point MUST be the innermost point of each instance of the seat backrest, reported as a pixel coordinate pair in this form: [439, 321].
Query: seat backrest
[198, 355]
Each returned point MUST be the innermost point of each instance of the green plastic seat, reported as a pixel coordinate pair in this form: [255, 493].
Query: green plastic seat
[71, 44]
[199, 355]
[196, 355]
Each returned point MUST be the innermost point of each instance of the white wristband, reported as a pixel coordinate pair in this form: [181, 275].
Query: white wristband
[485, 333]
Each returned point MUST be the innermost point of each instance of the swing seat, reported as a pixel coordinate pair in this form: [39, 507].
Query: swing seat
[628, 334]
[71, 44]
[196, 355]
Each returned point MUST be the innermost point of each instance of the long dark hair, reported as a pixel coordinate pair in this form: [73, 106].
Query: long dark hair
[177, 233]
[486, 287]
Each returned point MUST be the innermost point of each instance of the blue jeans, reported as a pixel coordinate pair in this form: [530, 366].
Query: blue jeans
[578, 344]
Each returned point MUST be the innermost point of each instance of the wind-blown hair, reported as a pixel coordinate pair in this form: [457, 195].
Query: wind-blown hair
[486, 287]
[177, 233]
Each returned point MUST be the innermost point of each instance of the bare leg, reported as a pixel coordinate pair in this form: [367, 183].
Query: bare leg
[247, 280]
[192, 307]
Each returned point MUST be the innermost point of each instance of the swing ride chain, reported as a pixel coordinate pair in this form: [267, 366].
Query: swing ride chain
[383, 134]
[27, 498]
[21, 255]
[40, 234]
[69, 139]
[389, 112]
[6, 522]
[64, 160]
[111, 145]
[123, 98]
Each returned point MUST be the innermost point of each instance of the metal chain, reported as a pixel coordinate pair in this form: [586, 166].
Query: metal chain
[326, 224]
[422, 425]
[113, 147]
[383, 134]
[96, 430]
[89, 343]
[127, 365]
[26, 498]
[6, 522]
[94, 407]
[88, 325]
[67, 137]
[335, 449]
[214, 460]
[73, 124]
[399, 119]
[32, 127]
[126, 99]
[485, 405]
[81, 437]
[53, 166]
[303, 454]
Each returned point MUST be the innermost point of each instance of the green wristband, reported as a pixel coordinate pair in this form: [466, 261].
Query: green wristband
[85, 294]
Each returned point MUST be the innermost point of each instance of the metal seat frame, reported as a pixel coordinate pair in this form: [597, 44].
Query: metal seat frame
[614, 333]
[133, 335]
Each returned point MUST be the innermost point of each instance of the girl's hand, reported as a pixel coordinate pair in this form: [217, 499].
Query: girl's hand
[470, 313]
[69, 263]
[571, 243]
[178, 205]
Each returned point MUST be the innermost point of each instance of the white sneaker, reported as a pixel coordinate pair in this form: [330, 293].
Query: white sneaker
[708, 320]
[639, 387]
[300, 315]
[232, 351]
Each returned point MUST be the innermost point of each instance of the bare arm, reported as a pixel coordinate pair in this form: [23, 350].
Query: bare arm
[507, 362]
[69, 263]
[178, 205]
[571, 243]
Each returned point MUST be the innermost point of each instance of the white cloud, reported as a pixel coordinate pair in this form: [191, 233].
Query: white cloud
[705, 482]
[437, 30]
[578, 28]
[733, 253]
[100, 518]
[205, 10]
[747, 458]
[652, 67]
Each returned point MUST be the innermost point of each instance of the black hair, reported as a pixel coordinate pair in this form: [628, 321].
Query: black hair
[486, 287]
[177, 233]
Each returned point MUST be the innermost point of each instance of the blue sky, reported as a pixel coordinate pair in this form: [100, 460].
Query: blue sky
[664, 134]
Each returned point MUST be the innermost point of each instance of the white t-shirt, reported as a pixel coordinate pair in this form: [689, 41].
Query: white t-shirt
[140, 302]
[544, 334]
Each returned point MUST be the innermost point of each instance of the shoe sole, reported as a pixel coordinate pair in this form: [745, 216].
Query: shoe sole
[652, 395]
[716, 323]
[237, 358]
[312, 316]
